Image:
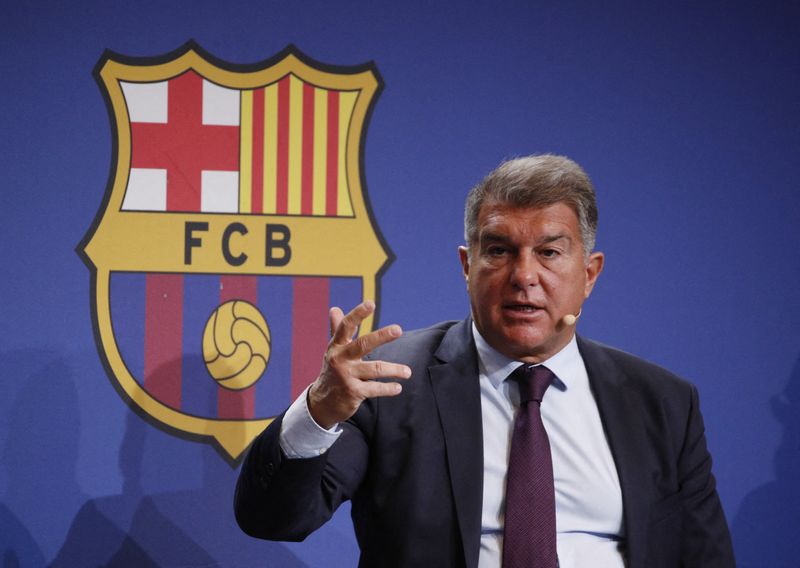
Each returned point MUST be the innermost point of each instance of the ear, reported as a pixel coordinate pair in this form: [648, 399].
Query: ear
[594, 266]
[463, 255]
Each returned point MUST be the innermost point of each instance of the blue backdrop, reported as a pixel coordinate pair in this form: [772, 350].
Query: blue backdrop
[685, 115]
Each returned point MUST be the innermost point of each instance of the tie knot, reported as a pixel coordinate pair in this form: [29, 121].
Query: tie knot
[533, 382]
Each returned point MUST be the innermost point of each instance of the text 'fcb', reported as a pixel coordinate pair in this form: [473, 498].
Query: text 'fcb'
[277, 251]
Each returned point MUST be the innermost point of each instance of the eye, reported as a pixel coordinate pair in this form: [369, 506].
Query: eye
[549, 253]
[496, 250]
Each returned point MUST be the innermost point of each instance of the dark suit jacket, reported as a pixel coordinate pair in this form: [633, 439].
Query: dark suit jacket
[412, 464]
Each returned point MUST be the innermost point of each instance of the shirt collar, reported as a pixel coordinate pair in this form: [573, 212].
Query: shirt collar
[497, 367]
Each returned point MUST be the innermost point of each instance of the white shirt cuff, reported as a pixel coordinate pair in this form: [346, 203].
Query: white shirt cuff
[301, 436]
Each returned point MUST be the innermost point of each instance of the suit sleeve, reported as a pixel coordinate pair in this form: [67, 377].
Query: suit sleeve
[278, 498]
[706, 540]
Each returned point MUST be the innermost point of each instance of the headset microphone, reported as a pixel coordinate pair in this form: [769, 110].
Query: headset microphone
[570, 319]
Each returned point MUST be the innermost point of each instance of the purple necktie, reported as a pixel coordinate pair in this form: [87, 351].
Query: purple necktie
[529, 537]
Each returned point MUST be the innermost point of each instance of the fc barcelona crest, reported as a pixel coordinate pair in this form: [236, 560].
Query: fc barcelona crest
[235, 215]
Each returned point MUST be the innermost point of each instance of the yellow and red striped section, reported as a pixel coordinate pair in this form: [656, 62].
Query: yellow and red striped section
[293, 140]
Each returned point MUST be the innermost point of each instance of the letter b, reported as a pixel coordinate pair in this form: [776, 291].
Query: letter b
[278, 237]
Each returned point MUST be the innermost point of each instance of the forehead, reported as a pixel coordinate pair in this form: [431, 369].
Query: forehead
[497, 217]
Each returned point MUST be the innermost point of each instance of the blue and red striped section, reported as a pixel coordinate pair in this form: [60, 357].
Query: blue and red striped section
[158, 322]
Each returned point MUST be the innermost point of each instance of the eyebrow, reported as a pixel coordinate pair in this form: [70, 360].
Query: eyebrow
[552, 238]
[498, 238]
[493, 237]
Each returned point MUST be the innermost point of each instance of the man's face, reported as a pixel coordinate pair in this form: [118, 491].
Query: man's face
[526, 271]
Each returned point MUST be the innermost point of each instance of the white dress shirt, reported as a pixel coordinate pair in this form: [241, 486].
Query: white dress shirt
[589, 521]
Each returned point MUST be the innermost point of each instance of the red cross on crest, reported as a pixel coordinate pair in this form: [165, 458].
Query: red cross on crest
[184, 146]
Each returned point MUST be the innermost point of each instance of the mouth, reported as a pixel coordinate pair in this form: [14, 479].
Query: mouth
[521, 308]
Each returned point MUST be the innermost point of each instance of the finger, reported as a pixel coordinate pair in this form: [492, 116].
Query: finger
[366, 343]
[367, 370]
[373, 389]
[335, 315]
[349, 324]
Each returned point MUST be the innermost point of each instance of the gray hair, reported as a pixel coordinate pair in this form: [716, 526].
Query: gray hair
[536, 181]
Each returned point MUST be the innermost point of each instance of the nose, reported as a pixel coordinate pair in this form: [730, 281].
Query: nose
[525, 271]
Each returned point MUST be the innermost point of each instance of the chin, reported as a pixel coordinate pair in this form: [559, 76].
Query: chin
[531, 344]
[520, 349]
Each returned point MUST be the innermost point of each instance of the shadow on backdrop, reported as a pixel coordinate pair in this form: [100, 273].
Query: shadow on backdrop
[17, 545]
[768, 510]
[39, 461]
[193, 527]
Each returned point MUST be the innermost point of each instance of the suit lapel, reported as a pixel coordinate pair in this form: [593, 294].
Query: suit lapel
[620, 411]
[457, 392]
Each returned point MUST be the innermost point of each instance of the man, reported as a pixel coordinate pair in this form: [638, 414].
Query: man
[418, 429]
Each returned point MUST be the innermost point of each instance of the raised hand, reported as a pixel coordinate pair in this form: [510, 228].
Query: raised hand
[345, 380]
